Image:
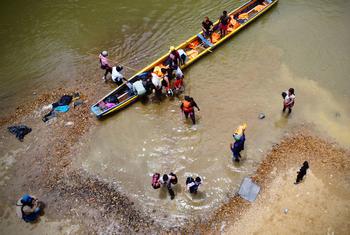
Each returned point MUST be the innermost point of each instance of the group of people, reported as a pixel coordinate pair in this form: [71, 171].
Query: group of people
[115, 71]
[208, 27]
[167, 76]
[169, 180]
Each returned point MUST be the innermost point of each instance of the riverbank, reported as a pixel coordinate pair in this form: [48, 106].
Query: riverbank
[42, 165]
[82, 203]
[319, 205]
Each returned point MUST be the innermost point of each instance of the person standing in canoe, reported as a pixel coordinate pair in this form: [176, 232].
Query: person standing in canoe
[104, 63]
[187, 107]
[207, 27]
[224, 21]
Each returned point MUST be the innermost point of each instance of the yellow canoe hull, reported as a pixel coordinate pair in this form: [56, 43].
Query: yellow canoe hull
[189, 62]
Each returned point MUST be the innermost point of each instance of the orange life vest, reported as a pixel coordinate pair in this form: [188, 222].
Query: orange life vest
[187, 107]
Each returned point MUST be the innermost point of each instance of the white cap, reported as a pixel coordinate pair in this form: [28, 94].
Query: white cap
[104, 53]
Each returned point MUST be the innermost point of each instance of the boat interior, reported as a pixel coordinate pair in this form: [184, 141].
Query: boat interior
[193, 49]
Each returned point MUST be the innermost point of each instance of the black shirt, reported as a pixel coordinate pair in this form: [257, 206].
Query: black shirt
[207, 24]
[224, 19]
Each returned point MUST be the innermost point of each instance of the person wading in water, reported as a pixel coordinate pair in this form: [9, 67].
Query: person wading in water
[288, 100]
[187, 107]
[169, 181]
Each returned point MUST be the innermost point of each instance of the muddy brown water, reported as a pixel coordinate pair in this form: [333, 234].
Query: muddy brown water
[296, 44]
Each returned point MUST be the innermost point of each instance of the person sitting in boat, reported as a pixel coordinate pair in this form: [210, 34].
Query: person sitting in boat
[29, 208]
[193, 185]
[187, 107]
[117, 76]
[104, 63]
[207, 27]
[224, 21]
[169, 181]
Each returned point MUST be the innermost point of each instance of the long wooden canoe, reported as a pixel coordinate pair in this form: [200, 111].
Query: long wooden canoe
[195, 48]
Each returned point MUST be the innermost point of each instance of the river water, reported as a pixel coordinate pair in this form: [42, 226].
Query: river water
[300, 44]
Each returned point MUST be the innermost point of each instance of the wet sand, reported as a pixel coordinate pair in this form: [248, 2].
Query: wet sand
[318, 205]
[81, 203]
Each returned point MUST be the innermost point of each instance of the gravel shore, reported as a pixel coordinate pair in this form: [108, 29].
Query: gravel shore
[98, 206]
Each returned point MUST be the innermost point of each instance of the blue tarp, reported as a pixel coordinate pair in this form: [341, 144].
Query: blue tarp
[209, 44]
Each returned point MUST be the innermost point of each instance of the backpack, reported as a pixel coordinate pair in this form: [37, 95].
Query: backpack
[26, 200]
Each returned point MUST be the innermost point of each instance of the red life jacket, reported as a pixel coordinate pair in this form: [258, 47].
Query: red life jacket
[187, 107]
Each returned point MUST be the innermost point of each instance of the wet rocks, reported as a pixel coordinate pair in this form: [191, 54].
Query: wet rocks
[261, 116]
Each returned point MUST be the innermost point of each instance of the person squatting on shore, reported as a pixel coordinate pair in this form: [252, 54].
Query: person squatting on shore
[187, 107]
[104, 64]
[288, 100]
[302, 172]
[193, 185]
[30, 208]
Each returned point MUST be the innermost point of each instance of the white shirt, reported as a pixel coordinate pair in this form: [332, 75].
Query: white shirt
[116, 76]
[289, 99]
[156, 80]
[181, 52]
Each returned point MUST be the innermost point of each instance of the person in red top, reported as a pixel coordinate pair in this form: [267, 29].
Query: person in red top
[224, 21]
[178, 84]
[187, 107]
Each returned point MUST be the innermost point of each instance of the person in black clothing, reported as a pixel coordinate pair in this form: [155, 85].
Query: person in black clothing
[193, 185]
[207, 27]
[302, 172]
[168, 181]
[224, 20]
[187, 107]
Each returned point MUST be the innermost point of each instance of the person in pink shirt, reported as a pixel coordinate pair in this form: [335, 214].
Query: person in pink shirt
[105, 64]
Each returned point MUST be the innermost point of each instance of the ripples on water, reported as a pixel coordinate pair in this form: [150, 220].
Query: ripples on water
[297, 42]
